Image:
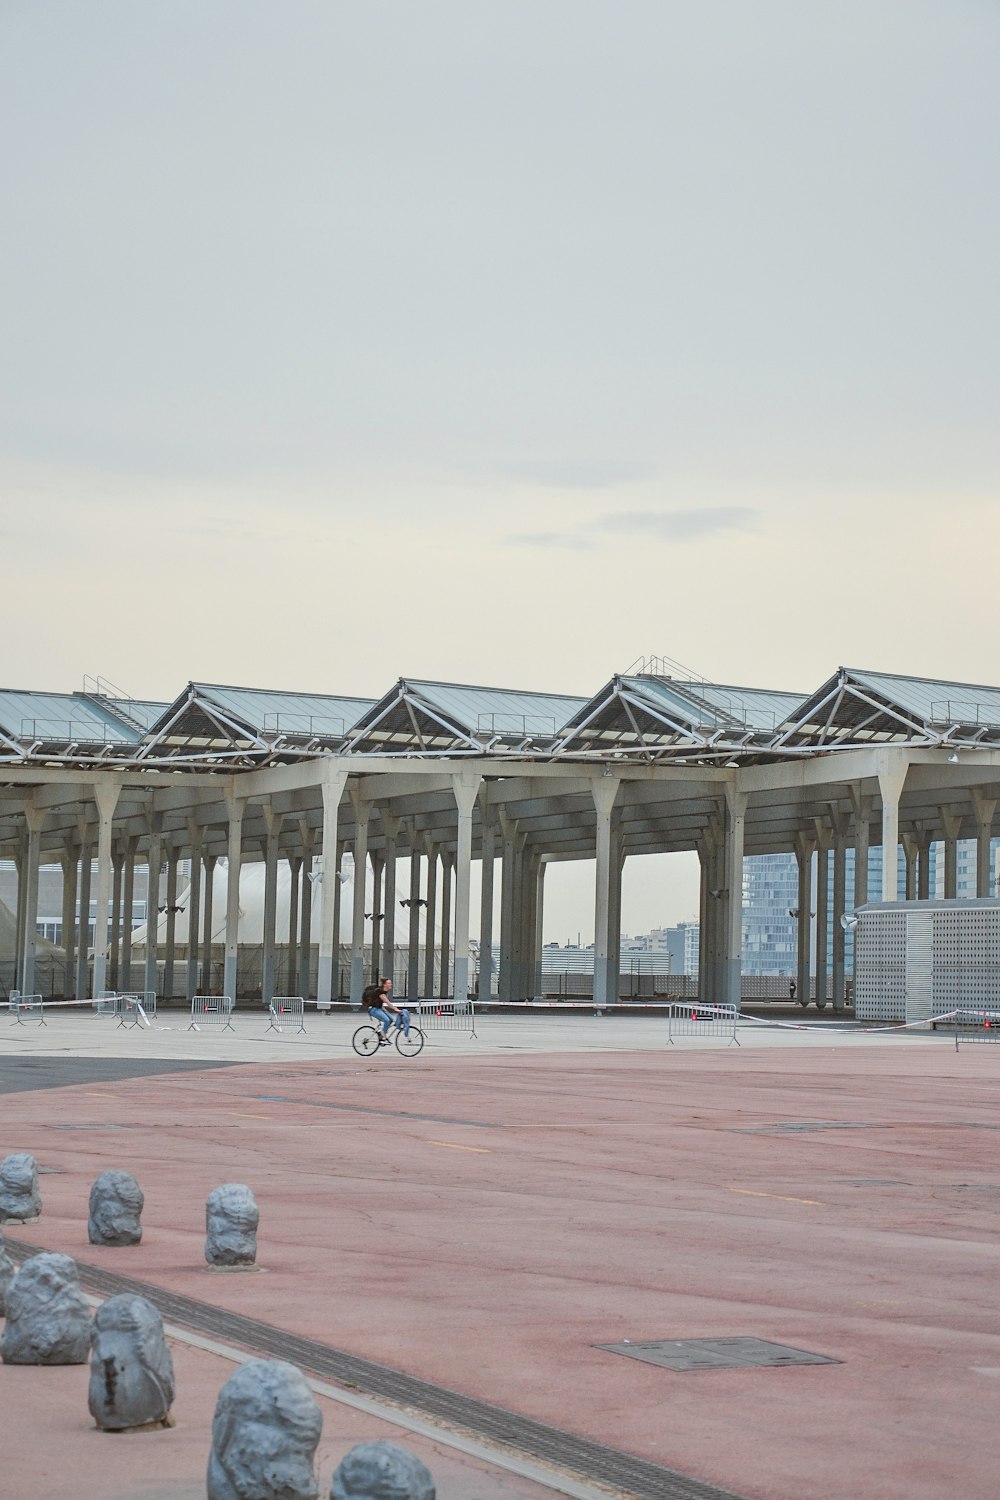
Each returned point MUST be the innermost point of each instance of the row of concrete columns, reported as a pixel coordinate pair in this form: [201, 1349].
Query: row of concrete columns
[445, 901]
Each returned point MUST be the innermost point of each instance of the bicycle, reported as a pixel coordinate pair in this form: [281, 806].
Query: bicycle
[367, 1039]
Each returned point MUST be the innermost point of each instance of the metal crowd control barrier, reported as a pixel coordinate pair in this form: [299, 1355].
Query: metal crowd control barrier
[136, 1009]
[211, 1010]
[21, 1005]
[106, 1003]
[687, 1018]
[284, 1008]
[976, 1026]
[446, 1015]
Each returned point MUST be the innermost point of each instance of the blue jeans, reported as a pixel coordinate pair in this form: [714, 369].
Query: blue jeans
[386, 1020]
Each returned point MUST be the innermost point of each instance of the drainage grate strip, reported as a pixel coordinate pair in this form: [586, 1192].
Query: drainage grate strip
[633, 1477]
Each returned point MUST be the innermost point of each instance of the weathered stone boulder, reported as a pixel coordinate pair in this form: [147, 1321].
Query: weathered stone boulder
[19, 1196]
[131, 1371]
[48, 1320]
[116, 1202]
[264, 1436]
[382, 1471]
[231, 1219]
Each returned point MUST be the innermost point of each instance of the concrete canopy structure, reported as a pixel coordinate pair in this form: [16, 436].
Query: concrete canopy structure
[445, 774]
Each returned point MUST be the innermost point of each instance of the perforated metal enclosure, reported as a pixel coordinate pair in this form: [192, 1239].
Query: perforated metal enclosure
[918, 959]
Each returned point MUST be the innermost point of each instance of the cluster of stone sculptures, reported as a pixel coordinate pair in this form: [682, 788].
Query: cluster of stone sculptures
[264, 1437]
[267, 1421]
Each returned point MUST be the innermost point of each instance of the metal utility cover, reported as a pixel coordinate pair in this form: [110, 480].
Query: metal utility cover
[717, 1354]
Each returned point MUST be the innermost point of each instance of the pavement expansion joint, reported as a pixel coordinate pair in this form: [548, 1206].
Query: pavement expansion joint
[596, 1463]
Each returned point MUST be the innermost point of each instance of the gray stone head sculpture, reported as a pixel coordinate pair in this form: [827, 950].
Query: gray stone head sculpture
[48, 1320]
[115, 1206]
[382, 1471]
[8, 1271]
[131, 1371]
[19, 1195]
[264, 1435]
[231, 1219]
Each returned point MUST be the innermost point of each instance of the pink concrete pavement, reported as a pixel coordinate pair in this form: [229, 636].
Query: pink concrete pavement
[523, 1210]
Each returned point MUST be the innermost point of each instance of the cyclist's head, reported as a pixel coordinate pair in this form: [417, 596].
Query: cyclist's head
[385, 984]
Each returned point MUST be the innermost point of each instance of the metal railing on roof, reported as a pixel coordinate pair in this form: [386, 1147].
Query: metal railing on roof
[962, 711]
[70, 730]
[543, 726]
[317, 726]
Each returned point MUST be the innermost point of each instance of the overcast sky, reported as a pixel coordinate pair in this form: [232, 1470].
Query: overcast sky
[501, 341]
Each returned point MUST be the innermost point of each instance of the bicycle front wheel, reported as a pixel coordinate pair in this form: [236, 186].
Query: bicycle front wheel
[365, 1041]
[412, 1044]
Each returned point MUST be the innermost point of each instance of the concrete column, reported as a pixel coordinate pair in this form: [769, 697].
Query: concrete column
[430, 920]
[736, 807]
[106, 793]
[391, 826]
[35, 819]
[951, 824]
[444, 980]
[305, 921]
[508, 873]
[338, 928]
[193, 964]
[362, 814]
[822, 909]
[605, 792]
[704, 886]
[862, 804]
[128, 903]
[803, 918]
[527, 858]
[71, 870]
[272, 848]
[839, 907]
[118, 871]
[173, 860]
[984, 807]
[539, 983]
[488, 838]
[333, 785]
[208, 929]
[925, 837]
[83, 927]
[151, 972]
[20, 862]
[294, 885]
[378, 915]
[303, 984]
[235, 807]
[615, 914]
[466, 789]
[910, 852]
[413, 939]
[891, 777]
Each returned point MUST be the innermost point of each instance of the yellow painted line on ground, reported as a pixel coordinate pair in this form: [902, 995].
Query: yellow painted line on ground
[782, 1197]
[241, 1116]
[92, 1095]
[450, 1146]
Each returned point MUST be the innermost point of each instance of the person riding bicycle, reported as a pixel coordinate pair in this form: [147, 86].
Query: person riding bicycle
[381, 1009]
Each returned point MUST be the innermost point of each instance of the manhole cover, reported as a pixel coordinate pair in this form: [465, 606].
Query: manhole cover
[717, 1354]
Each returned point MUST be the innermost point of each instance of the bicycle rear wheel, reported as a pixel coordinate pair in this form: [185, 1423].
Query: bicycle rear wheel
[365, 1041]
[412, 1044]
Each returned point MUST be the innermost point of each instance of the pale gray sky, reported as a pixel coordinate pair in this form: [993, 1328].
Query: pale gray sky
[497, 340]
